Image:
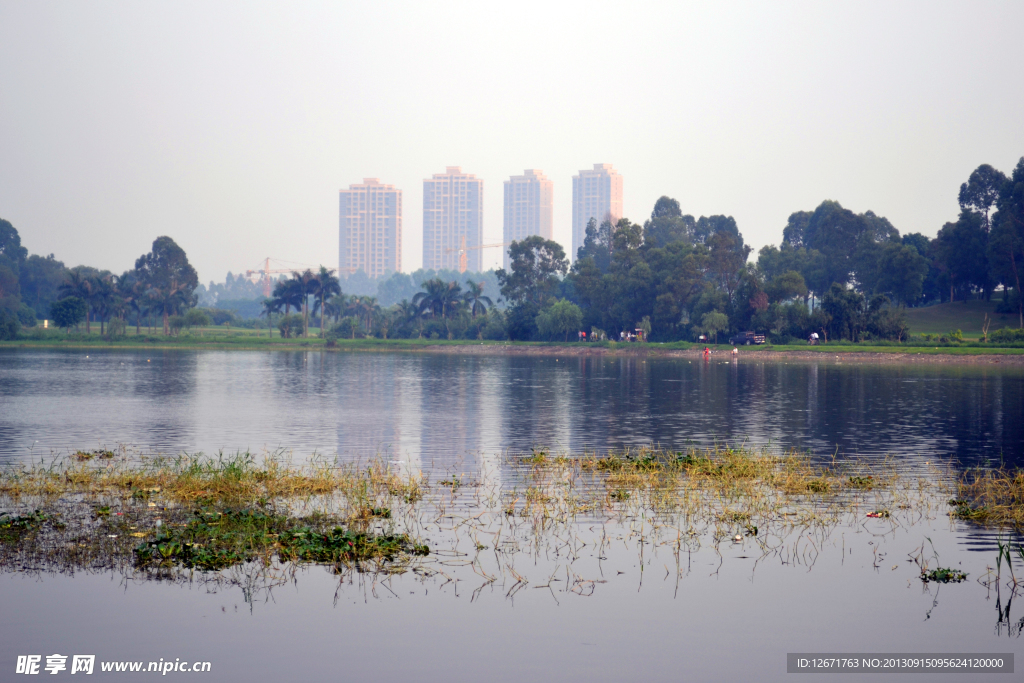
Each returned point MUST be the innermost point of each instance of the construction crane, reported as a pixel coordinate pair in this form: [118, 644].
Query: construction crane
[263, 274]
[463, 249]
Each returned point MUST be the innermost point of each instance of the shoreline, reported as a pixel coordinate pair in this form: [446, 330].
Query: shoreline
[828, 353]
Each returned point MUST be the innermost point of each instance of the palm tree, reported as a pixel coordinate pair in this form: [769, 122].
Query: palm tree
[288, 294]
[270, 307]
[327, 285]
[407, 312]
[440, 297]
[475, 298]
[134, 292]
[168, 300]
[366, 307]
[104, 299]
[335, 307]
[76, 283]
[305, 283]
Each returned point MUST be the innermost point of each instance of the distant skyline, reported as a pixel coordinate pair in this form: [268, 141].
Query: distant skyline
[232, 126]
[597, 194]
[528, 208]
[453, 204]
[369, 228]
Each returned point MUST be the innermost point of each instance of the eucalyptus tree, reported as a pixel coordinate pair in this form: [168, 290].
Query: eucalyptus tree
[169, 278]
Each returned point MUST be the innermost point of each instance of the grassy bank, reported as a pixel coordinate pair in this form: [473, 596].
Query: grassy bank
[245, 339]
[967, 316]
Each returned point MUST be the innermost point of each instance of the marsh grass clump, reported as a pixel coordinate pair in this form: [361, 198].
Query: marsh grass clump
[990, 497]
[234, 481]
[215, 540]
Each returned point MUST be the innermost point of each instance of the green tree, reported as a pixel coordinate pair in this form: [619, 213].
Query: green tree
[68, 312]
[902, 271]
[536, 268]
[270, 306]
[981, 192]
[714, 322]
[1006, 244]
[961, 249]
[304, 285]
[40, 279]
[785, 286]
[668, 224]
[196, 317]
[8, 325]
[79, 283]
[597, 244]
[561, 317]
[327, 285]
[439, 298]
[845, 307]
[475, 299]
[169, 278]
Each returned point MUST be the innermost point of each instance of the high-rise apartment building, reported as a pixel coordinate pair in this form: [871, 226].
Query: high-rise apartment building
[370, 229]
[595, 194]
[453, 216]
[529, 207]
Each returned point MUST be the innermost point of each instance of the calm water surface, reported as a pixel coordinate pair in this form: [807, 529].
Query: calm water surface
[439, 408]
[606, 598]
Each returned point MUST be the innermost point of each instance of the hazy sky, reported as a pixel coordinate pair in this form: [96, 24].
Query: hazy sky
[232, 126]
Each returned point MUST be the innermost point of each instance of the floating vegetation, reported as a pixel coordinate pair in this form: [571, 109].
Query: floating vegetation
[14, 528]
[216, 540]
[943, 575]
[89, 455]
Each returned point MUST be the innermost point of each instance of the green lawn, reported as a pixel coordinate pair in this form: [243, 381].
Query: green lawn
[967, 316]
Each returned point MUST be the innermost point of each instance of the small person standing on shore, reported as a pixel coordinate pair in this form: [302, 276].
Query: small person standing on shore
[707, 353]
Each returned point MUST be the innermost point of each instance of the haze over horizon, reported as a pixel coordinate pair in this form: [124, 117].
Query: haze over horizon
[232, 126]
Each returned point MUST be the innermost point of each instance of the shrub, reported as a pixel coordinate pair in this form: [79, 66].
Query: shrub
[1007, 336]
[290, 325]
[8, 325]
[347, 328]
[116, 328]
[26, 316]
[68, 312]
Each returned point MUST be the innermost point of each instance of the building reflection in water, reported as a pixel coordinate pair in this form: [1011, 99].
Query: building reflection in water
[442, 411]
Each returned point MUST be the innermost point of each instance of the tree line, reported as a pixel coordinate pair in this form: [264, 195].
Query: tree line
[160, 287]
[674, 277]
[836, 272]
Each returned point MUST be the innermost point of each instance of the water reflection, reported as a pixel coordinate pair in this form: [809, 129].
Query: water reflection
[434, 411]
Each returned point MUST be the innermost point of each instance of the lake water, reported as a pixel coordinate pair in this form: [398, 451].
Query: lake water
[434, 409]
[607, 597]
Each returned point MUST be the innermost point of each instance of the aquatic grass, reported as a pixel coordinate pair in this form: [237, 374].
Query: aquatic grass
[994, 497]
[237, 480]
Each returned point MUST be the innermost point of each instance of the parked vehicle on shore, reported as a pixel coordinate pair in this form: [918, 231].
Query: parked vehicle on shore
[746, 339]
